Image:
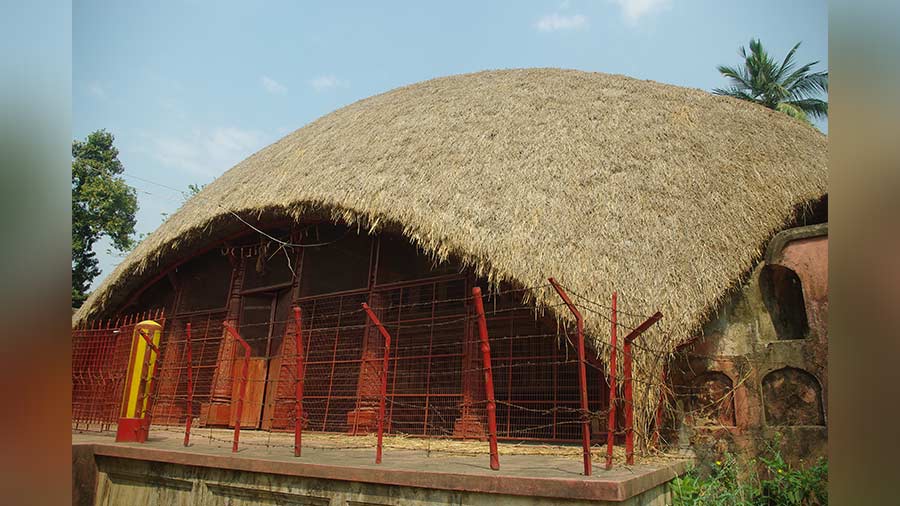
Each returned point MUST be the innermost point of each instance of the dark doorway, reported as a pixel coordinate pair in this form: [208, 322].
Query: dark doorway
[782, 294]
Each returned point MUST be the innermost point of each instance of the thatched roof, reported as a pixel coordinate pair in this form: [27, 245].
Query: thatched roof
[663, 193]
[666, 194]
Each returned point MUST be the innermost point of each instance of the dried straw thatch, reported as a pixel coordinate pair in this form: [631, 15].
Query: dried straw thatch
[666, 194]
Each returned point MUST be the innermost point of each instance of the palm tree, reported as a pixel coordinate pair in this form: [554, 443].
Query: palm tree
[783, 87]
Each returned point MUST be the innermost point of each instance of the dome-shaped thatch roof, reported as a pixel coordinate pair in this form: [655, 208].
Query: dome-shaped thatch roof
[663, 193]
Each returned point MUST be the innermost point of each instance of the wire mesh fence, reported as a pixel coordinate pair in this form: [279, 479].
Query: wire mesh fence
[100, 355]
[435, 370]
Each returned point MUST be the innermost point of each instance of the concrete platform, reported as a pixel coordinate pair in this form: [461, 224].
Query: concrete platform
[264, 471]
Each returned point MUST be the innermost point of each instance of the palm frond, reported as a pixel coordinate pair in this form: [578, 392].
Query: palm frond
[788, 64]
[777, 85]
[810, 85]
[798, 74]
[811, 106]
[756, 48]
[738, 77]
[792, 111]
[735, 93]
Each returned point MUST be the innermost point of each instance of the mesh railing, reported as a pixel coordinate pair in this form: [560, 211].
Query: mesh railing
[435, 386]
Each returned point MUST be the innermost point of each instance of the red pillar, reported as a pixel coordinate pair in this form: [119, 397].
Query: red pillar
[167, 410]
[629, 403]
[582, 379]
[298, 424]
[611, 423]
[488, 377]
[659, 407]
[384, 375]
[243, 386]
[629, 398]
[218, 410]
[470, 424]
[189, 404]
[363, 418]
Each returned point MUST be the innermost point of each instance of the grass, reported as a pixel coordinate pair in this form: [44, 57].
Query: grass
[768, 481]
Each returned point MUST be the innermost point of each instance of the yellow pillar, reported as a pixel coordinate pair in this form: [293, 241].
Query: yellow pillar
[133, 415]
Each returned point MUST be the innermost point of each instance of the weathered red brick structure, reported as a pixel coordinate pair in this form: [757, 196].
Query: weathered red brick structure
[760, 368]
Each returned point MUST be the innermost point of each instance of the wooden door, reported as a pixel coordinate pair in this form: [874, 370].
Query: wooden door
[274, 386]
[272, 396]
[262, 324]
[253, 396]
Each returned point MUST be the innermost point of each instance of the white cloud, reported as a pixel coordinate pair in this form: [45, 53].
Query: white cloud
[554, 22]
[272, 86]
[95, 89]
[206, 153]
[633, 10]
[327, 82]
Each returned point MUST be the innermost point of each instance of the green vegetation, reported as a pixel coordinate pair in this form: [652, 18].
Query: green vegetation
[192, 190]
[784, 87]
[102, 204]
[772, 483]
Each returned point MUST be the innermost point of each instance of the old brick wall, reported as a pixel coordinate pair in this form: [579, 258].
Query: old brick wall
[747, 378]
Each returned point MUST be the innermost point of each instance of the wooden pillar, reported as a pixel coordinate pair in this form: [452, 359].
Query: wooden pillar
[472, 420]
[218, 410]
[278, 409]
[363, 419]
[166, 409]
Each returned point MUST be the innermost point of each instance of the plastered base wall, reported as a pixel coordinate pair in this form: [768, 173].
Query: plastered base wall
[128, 482]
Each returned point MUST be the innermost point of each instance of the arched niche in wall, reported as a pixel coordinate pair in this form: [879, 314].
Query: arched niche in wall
[792, 397]
[712, 399]
[782, 293]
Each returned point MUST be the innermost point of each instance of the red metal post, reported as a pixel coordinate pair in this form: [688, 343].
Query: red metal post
[582, 378]
[148, 382]
[488, 378]
[611, 423]
[629, 403]
[149, 341]
[189, 408]
[384, 375]
[629, 397]
[298, 424]
[243, 391]
[659, 407]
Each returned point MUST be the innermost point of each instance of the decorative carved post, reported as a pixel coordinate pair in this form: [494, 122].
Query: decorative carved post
[364, 417]
[471, 421]
[166, 410]
[218, 410]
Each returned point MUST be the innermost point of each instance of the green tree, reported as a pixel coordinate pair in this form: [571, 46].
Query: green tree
[784, 86]
[102, 204]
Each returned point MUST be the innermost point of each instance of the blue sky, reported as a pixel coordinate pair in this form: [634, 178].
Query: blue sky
[190, 88]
